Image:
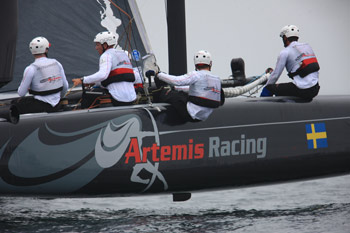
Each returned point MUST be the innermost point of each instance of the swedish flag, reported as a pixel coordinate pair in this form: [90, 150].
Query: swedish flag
[316, 135]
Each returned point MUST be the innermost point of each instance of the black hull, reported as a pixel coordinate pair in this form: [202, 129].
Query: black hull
[140, 150]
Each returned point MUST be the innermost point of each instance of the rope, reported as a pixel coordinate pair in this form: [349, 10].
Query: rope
[120, 9]
[236, 91]
[94, 105]
[69, 91]
[76, 106]
[128, 30]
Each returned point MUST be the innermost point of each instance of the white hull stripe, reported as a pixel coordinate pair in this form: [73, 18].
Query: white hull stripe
[254, 125]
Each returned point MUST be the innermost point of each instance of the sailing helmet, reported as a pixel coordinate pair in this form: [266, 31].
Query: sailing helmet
[202, 57]
[289, 31]
[106, 37]
[39, 45]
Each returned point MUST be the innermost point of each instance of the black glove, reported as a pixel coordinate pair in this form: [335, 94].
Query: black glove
[159, 83]
[269, 70]
[150, 73]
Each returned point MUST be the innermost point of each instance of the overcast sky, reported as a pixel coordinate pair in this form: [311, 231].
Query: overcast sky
[250, 29]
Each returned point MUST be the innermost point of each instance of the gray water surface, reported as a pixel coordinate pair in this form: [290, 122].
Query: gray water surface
[311, 206]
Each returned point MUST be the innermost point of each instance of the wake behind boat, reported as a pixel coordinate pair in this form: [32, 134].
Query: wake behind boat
[146, 148]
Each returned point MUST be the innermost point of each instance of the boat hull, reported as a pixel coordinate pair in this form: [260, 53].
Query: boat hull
[146, 149]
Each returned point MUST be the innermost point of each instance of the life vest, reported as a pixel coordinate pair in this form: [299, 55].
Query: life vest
[307, 61]
[122, 73]
[206, 92]
[49, 81]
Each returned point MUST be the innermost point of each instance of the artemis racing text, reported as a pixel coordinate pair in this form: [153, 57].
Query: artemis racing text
[244, 146]
[164, 153]
[191, 150]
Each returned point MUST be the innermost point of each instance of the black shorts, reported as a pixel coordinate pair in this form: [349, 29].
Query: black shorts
[91, 99]
[178, 99]
[289, 89]
[31, 105]
[119, 103]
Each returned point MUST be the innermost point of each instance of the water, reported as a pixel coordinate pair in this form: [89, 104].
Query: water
[311, 206]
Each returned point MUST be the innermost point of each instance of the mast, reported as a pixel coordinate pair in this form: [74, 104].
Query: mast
[8, 28]
[176, 37]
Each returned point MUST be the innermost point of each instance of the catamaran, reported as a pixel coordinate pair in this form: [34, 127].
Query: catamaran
[146, 148]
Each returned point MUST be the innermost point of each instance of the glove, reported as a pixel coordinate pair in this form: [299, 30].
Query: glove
[269, 70]
[150, 73]
[159, 83]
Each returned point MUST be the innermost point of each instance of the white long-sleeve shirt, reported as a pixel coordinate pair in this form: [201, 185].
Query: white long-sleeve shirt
[287, 58]
[195, 111]
[121, 91]
[138, 76]
[31, 72]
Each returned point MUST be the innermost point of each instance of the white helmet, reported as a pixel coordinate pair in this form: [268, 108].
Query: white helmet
[289, 31]
[202, 57]
[106, 37]
[39, 45]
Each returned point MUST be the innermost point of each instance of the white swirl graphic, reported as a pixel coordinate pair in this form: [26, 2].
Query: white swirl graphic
[114, 140]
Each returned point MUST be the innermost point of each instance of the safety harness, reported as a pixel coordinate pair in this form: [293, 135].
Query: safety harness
[309, 64]
[206, 92]
[119, 75]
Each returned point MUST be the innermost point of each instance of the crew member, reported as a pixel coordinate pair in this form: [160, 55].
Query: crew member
[138, 78]
[301, 64]
[204, 90]
[44, 79]
[115, 71]
[138, 83]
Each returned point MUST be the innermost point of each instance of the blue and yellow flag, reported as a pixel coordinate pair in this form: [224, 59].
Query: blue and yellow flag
[316, 135]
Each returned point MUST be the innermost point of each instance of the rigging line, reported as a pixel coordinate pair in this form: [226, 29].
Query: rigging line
[133, 37]
[122, 36]
[69, 91]
[129, 24]
[121, 10]
[124, 12]
[76, 106]
[127, 41]
[127, 31]
[129, 34]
